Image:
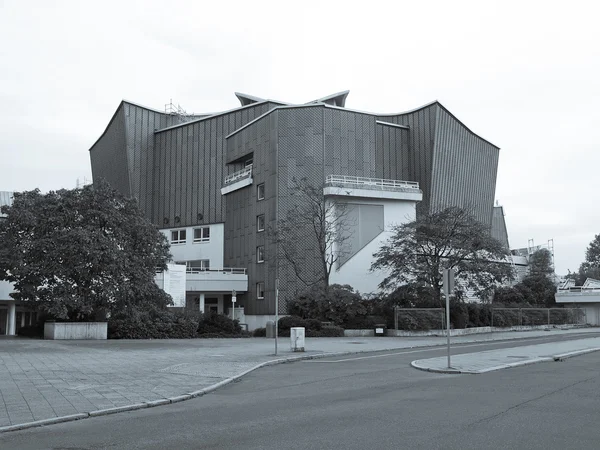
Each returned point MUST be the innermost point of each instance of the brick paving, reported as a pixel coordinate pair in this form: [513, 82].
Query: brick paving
[47, 379]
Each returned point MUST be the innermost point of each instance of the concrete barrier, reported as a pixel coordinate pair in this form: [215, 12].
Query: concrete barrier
[75, 330]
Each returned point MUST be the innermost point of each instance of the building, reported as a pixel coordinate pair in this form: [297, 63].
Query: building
[216, 183]
[13, 315]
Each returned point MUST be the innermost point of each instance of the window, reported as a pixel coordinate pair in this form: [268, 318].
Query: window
[260, 222]
[178, 237]
[260, 191]
[260, 290]
[202, 234]
[198, 265]
[260, 254]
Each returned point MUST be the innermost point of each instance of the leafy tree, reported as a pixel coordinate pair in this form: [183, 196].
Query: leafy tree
[540, 262]
[314, 223]
[590, 268]
[418, 251]
[81, 254]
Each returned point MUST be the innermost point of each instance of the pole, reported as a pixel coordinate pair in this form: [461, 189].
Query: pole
[448, 280]
[276, 313]
[448, 325]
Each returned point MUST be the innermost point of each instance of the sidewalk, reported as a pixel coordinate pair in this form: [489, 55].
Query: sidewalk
[505, 358]
[46, 380]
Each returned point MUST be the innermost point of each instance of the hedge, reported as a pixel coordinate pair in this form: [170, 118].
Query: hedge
[172, 325]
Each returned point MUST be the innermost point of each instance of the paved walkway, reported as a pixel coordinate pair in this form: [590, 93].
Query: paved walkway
[42, 380]
[505, 358]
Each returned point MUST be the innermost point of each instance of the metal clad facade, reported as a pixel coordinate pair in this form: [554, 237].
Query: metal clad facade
[193, 165]
[499, 226]
[242, 208]
[108, 155]
[464, 169]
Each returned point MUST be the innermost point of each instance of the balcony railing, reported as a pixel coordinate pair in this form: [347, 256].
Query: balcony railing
[246, 172]
[224, 270]
[371, 183]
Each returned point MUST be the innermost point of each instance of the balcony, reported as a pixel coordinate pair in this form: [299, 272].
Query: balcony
[343, 185]
[212, 280]
[578, 294]
[237, 180]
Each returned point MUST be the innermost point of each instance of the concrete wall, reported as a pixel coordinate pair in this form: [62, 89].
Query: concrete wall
[356, 271]
[75, 330]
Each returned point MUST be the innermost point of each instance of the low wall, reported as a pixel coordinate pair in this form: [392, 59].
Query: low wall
[359, 333]
[474, 330]
[75, 330]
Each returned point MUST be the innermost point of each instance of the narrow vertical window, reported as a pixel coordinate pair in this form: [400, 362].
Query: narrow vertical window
[260, 254]
[260, 222]
[260, 191]
[260, 290]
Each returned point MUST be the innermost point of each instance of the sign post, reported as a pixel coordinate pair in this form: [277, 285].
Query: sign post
[448, 288]
[276, 312]
[233, 300]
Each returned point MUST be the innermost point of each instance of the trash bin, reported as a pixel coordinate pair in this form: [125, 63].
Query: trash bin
[270, 329]
[380, 329]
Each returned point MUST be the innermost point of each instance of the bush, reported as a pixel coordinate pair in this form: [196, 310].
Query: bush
[328, 331]
[162, 325]
[33, 331]
[172, 325]
[218, 323]
[260, 332]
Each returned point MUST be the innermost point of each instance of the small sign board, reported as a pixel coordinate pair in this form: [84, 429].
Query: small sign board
[174, 284]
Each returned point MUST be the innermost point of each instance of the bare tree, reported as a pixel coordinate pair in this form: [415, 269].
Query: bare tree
[315, 224]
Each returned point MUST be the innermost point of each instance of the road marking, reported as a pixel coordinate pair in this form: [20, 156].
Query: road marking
[439, 348]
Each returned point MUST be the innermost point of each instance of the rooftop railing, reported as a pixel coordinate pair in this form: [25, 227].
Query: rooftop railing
[371, 183]
[246, 172]
[223, 270]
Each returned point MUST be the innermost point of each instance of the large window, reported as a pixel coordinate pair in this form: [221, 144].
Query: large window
[260, 191]
[198, 265]
[178, 237]
[260, 254]
[202, 234]
[260, 290]
[260, 222]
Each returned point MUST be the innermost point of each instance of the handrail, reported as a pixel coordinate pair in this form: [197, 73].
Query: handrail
[227, 270]
[371, 182]
[240, 174]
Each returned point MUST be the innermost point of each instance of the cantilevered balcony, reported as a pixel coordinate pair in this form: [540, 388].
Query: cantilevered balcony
[237, 180]
[212, 280]
[343, 185]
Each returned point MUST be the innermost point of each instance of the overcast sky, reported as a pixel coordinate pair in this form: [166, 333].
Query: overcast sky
[524, 75]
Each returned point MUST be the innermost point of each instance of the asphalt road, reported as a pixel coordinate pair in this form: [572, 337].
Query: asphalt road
[361, 401]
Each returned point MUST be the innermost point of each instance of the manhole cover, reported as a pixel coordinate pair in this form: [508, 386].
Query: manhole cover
[355, 342]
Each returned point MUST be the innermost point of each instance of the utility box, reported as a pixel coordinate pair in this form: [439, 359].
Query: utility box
[380, 329]
[297, 338]
[270, 329]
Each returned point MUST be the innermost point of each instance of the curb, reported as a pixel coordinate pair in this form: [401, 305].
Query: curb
[561, 357]
[568, 355]
[211, 388]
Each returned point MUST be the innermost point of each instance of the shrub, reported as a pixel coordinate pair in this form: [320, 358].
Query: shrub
[329, 331]
[260, 332]
[161, 325]
[218, 323]
[33, 331]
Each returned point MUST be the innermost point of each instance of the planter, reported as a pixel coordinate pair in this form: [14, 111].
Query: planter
[75, 330]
